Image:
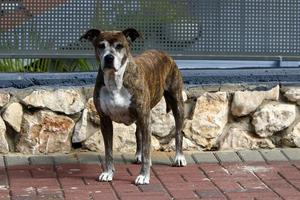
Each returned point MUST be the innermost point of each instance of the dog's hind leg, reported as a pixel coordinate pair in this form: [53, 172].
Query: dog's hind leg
[175, 100]
[138, 153]
[144, 125]
[107, 132]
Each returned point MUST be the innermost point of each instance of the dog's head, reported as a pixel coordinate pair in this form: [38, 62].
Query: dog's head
[112, 48]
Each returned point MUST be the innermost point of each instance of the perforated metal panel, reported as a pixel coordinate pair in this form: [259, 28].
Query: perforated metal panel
[181, 27]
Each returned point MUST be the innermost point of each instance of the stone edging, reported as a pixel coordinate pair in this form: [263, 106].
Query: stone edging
[268, 156]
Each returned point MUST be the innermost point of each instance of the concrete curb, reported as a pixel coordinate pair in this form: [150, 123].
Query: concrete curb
[164, 158]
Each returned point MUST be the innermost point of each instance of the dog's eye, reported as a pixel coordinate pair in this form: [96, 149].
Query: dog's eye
[101, 46]
[119, 46]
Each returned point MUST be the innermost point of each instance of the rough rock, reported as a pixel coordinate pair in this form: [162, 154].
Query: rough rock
[162, 122]
[245, 102]
[291, 137]
[293, 95]
[187, 145]
[155, 144]
[94, 142]
[123, 140]
[209, 119]
[4, 98]
[273, 117]
[92, 112]
[4, 148]
[239, 135]
[45, 132]
[68, 101]
[88, 123]
[13, 116]
[84, 128]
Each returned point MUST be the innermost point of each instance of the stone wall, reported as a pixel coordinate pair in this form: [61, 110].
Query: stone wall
[49, 120]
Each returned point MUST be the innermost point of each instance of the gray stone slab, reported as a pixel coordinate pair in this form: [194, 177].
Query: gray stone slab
[12, 160]
[189, 159]
[251, 156]
[101, 157]
[228, 156]
[4, 184]
[273, 155]
[205, 157]
[129, 158]
[88, 158]
[118, 158]
[2, 163]
[65, 159]
[41, 160]
[292, 153]
[161, 158]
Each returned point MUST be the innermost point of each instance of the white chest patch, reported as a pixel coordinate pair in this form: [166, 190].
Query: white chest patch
[115, 98]
[115, 104]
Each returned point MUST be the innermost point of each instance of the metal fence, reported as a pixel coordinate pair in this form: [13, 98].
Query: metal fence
[184, 28]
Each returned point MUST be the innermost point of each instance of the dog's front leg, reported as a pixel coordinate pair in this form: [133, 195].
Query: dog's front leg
[143, 123]
[107, 132]
[138, 153]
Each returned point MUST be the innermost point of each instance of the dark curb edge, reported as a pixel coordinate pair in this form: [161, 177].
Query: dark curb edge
[271, 76]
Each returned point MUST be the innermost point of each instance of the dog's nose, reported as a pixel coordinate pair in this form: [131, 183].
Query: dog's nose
[109, 58]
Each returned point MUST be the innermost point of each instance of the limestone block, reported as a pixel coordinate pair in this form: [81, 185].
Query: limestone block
[13, 116]
[245, 102]
[68, 101]
[273, 117]
[94, 142]
[293, 94]
[4, 148]
[124, 140]
[92, 112]
[4, 98]
[291, 136]
[84, 128]
[162, 122]
[209, 119]
[45, 132]
[239, 135]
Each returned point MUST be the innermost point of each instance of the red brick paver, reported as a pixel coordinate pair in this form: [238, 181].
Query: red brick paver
[275, 180]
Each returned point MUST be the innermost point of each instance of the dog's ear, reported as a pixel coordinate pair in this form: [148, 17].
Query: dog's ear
[90, 35]
[131, 34]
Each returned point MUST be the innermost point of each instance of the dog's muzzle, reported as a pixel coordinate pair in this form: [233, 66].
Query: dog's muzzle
[109, 61]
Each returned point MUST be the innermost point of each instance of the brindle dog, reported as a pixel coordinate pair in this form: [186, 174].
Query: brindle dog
[126, 90]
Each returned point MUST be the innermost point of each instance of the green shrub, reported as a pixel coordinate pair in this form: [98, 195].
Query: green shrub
[44, 65]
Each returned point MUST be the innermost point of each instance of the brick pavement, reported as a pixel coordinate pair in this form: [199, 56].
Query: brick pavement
[272, 174]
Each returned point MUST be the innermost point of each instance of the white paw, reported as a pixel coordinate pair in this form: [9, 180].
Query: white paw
[106, 176]
[138, 159]
[142, 180]
[180, 161]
